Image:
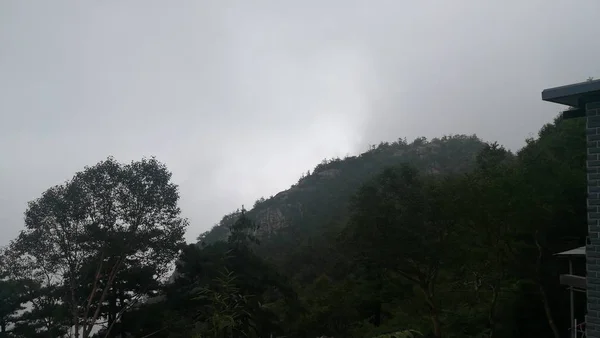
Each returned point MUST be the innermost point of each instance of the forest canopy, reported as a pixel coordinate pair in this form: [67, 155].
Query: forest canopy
[450, 237]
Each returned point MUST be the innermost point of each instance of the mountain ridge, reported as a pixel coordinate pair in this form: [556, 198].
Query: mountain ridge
[320, 198]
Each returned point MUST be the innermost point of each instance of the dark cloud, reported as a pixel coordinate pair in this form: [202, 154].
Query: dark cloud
[240, 97]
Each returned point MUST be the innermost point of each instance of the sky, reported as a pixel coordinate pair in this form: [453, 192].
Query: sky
[240, 97]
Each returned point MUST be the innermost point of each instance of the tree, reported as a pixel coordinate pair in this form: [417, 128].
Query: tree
[226, 312]
[224, 289]
[107, 219]
[22, 285]
[490, 223]
[11, 300]
[12, 295]
[242, 231]
[551, 199]
[401, 221]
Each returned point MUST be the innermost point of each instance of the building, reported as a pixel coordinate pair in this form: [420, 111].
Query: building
[583, 101]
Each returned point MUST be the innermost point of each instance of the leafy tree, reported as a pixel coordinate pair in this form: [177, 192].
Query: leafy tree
[489, 223]
[12, 296]
[241, 232]
[30, 304]
[11, 299]
[402, 222]
[552, 181]
[226, 311]
[224, 289]
[110, 217]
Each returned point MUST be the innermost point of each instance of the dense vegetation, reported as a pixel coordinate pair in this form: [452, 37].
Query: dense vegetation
[451, 237]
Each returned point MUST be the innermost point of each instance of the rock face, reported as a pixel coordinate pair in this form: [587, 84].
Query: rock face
[269, 221]
[320, 199]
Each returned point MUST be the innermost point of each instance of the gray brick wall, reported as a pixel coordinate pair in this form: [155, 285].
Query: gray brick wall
[593, 206]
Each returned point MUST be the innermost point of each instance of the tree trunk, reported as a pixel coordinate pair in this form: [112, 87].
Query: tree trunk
[435, 321]
[492, 313]
[433, 310]
[112, 312]
[122, 319]
[378, 307]
[103, 296]
[543, 294]
[495, 293]
[548, 311]
[74, 307]
[76, 324]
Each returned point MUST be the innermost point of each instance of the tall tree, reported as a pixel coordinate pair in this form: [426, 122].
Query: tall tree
[551, 201]
[401, 221]
[108, 218]
[25, 284]
[11, 295]
[224, 289]
[490, 223]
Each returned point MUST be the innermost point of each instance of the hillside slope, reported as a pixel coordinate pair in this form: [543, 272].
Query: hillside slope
[319, 200]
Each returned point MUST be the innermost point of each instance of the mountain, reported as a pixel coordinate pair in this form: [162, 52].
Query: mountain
[318, 202]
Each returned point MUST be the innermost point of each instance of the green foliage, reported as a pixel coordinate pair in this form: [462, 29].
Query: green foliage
[445, 245]
[241, 232]
[11, 302]
[100, 240]
[401, 334]
[321, 198]
[450, 237]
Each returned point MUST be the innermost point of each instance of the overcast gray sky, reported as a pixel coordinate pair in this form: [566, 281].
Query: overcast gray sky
[239, 97]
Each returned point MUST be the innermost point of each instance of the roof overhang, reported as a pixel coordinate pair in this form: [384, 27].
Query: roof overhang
[573, 252]
[575, 95]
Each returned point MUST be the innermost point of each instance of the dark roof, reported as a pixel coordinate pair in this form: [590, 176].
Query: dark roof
[574, 95]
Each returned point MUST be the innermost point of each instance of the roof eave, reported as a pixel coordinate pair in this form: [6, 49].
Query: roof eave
[574, 95]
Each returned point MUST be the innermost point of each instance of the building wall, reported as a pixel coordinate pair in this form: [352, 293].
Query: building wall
[593, 204]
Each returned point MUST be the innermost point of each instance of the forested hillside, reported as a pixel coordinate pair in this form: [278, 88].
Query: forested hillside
[319, 200]
[452, 237]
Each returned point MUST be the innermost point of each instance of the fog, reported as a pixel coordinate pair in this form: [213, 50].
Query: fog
[239, 98]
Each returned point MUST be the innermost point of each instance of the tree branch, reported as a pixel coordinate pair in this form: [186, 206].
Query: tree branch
[111, 277]
[125, 308]
[93, 292]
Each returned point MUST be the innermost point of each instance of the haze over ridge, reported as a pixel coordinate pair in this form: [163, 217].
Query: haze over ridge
[239, 99]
